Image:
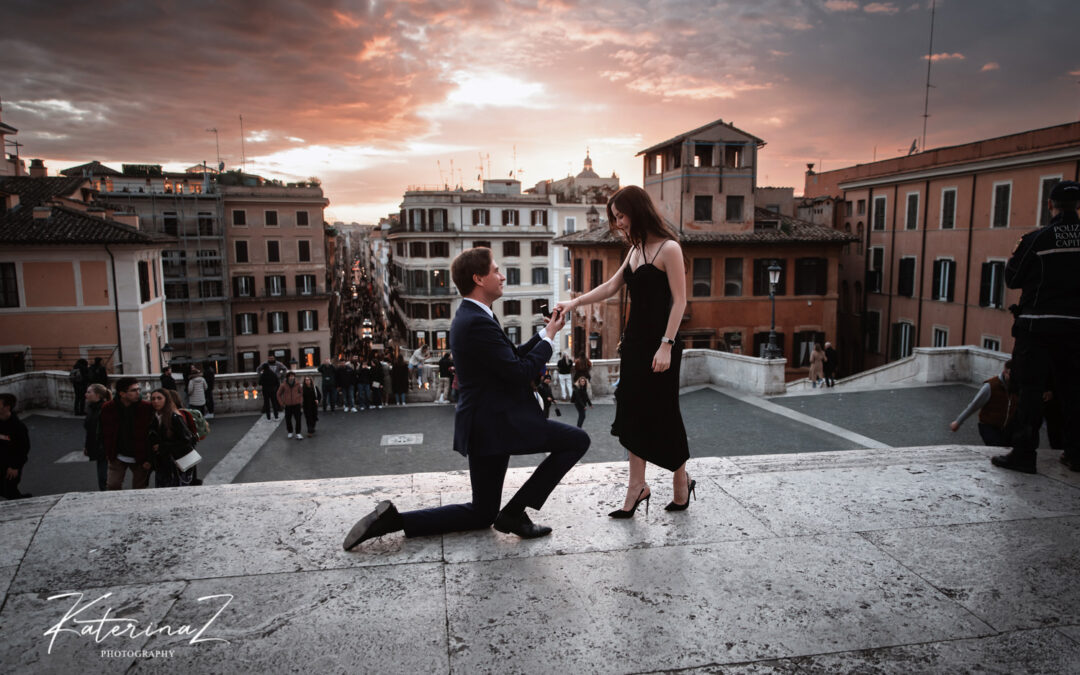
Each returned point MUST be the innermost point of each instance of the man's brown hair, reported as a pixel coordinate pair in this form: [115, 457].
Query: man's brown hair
[473, 261]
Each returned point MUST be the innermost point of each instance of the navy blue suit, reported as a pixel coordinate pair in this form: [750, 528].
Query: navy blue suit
[497, 416]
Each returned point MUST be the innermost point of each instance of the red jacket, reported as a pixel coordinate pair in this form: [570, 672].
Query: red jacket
[290, 395]
[110, 429]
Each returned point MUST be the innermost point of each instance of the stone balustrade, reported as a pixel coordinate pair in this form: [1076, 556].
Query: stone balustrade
[239, 392]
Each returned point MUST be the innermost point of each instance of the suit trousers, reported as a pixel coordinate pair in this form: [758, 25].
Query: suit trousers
[566, 446]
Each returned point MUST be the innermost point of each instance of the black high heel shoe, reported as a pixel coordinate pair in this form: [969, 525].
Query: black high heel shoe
[642, 497]
[674, 506]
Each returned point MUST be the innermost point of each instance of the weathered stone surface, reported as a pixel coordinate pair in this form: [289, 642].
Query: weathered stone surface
[1013, 575]
[685, 606]
[897, 496]
[16, 536]
[578, 514]
[388, 619]
[28, 646]
[233, 536]
[33, 507]
[1032, 651]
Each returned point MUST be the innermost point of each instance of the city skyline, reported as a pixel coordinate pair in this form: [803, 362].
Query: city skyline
[374, 97]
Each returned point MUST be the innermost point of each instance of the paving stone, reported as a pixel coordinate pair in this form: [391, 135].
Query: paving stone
[1032, 652]
[27, 645]
[389, 619]
[161, 541]
[778, 667]
[1013, 575]
[578, 517]
[896, 496]
[851, 458]
[1071, 632]
[687, 606]
[16, 535]
[34, 507]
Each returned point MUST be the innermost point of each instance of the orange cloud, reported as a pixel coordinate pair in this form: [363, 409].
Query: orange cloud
[956, 56]
[993, 65]
[881, 8]
[344, 19]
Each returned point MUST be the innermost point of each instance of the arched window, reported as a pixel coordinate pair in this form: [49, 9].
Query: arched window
[859, 231]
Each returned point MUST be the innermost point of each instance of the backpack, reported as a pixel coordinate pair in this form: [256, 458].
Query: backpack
[202, 427]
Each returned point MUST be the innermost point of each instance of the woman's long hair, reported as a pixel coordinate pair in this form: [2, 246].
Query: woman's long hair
[167, 410]
[645, 221]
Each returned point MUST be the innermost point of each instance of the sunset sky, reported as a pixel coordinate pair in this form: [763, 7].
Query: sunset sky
[370, 95]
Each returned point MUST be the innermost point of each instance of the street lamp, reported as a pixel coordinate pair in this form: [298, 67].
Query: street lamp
[772, 351]
[166, 354]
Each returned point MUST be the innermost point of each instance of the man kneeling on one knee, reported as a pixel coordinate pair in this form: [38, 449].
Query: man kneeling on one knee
[496, 417]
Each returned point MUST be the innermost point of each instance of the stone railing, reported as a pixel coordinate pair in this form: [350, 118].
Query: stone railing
[238, 392]
[233, 392]
[925, 366]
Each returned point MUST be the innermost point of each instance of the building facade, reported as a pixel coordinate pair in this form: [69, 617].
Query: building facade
[277, 273]
[934, 231]
[187, 208]
[76, 282]
[703, 183]
[435, 225]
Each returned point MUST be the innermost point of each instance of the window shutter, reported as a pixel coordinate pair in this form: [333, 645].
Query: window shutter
[894, 343]
[255, 324]
[936, 294]
[238, 324]
[285, 322]
[984, 285]
[236, 287]
[475, 217]
[952, 279]
[314, 319]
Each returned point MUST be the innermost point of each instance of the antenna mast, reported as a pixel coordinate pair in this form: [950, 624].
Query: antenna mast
[243, 156]
[929, 62]
[217, 145]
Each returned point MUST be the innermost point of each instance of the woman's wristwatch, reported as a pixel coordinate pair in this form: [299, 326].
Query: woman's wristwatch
[667, 340]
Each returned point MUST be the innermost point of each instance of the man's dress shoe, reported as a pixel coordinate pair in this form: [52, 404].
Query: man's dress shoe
[520, 525]
[383, 520]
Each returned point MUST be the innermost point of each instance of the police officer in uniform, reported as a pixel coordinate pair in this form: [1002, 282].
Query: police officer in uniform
[1045, 265]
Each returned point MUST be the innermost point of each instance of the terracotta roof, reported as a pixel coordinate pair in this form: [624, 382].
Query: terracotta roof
[789, 231]
[34, 191]
[70, 226]
[94, 168]
[710, 125]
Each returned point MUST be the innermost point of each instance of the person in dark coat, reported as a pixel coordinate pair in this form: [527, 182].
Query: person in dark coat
[167, 379]
[399, 379]
[80, 380]
[14, 448]
[312, 398]
[546, 395]
[377, 388]
[329, 385]
[94, 443]
[98, 373]
[125, 426]
[831, 363]
[268, 382]
[209, 373]
[580, 399]
[170, 438]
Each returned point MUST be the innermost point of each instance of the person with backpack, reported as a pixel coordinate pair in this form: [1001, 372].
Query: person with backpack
[196, 390]
[80, 380]
[98, 373]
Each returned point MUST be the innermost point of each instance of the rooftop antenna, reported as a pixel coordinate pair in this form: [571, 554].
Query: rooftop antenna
[442, 176]
[243, 156]
[217, 146]
[929, 62]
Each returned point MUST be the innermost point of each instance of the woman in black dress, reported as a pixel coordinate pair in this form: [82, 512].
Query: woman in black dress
[647, 417]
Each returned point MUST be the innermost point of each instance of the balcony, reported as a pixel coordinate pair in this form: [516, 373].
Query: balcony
[426, 229]
[287, 294]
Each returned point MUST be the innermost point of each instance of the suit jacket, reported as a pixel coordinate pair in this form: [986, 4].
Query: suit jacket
[496, 410]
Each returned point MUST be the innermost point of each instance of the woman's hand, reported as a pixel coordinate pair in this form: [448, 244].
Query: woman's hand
[564, 308]
[661, 360]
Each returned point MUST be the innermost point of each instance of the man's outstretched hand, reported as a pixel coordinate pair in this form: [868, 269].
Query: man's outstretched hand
[555, 323]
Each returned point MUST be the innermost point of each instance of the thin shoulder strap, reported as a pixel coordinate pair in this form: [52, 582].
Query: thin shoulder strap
[658, 250]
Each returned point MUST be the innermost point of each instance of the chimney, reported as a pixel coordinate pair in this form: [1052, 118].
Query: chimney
[42, 212]
[37, 169]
